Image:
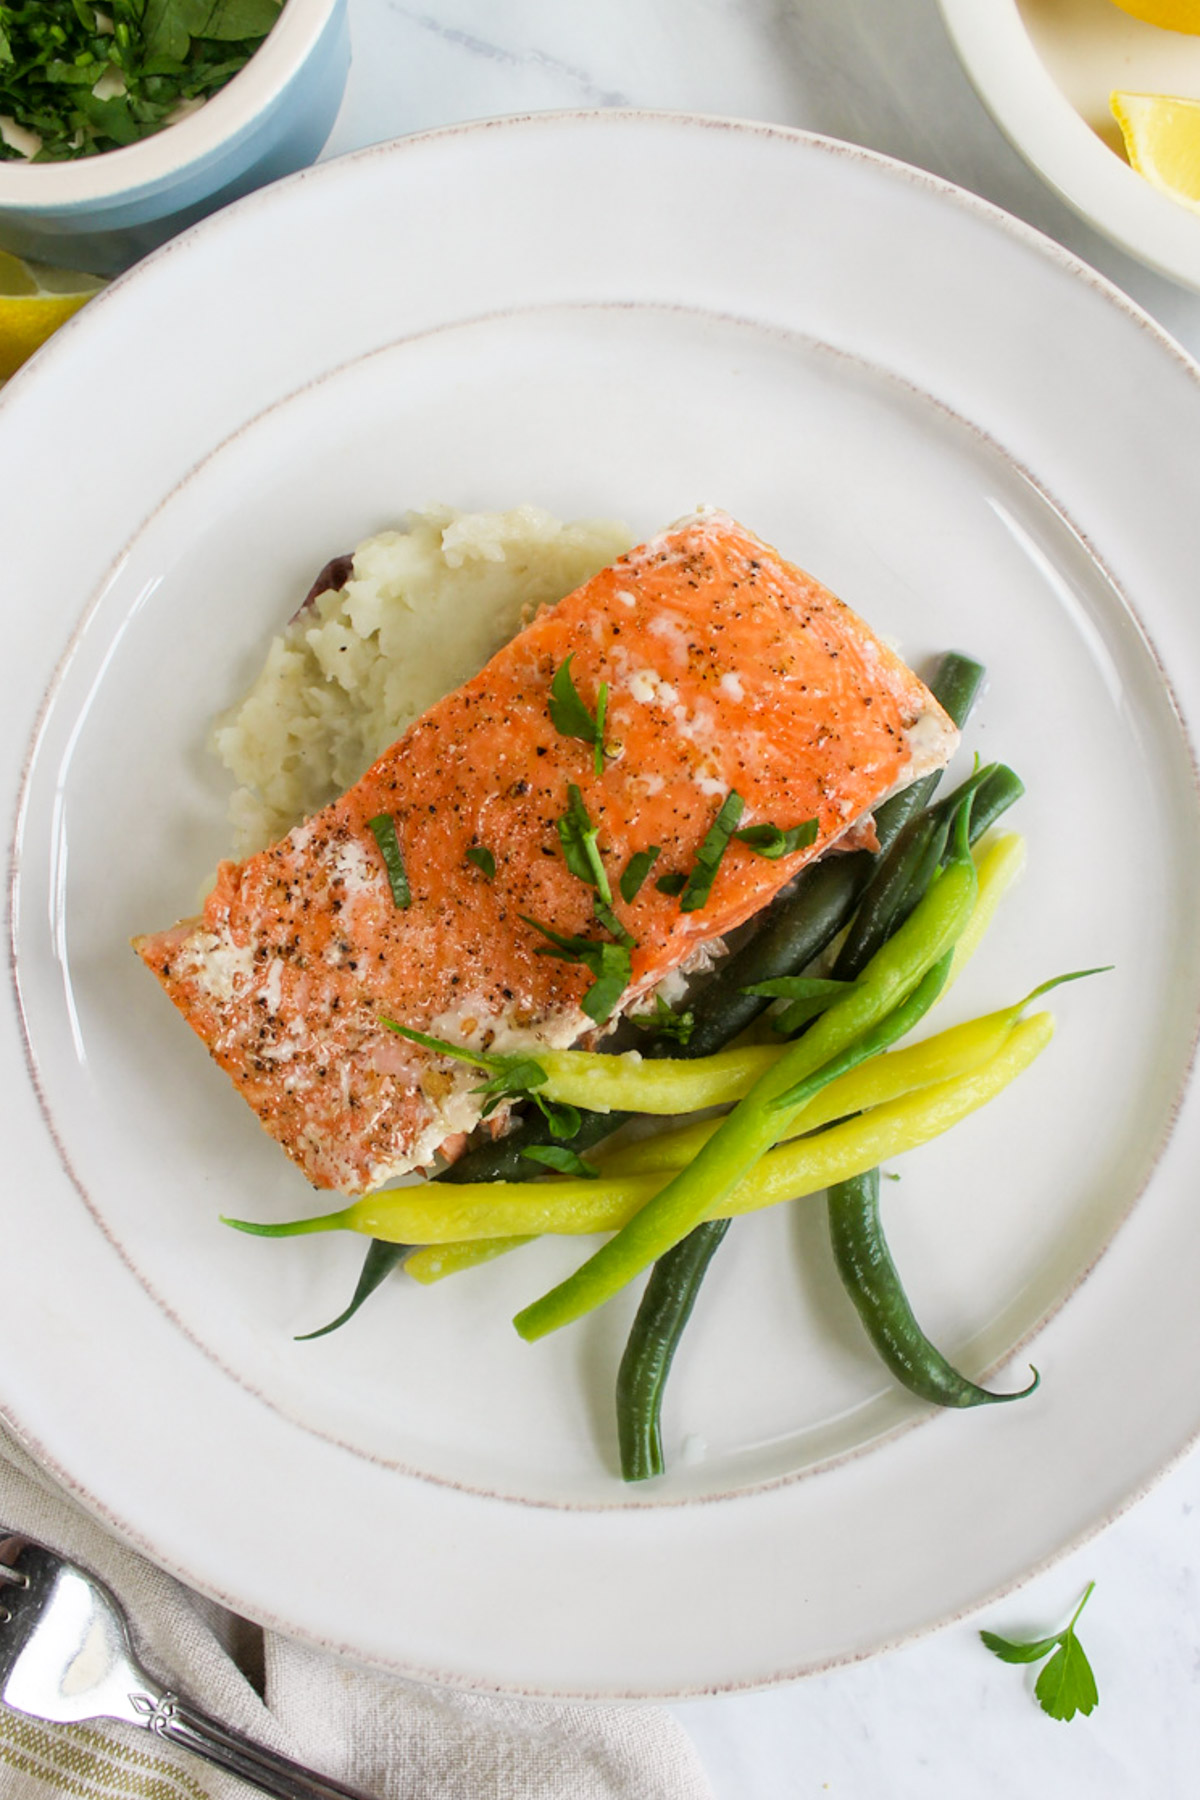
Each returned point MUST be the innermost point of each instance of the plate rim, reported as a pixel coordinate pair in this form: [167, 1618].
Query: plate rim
[953, 193]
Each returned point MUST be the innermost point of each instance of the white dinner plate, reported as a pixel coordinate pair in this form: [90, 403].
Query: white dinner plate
[956, 426]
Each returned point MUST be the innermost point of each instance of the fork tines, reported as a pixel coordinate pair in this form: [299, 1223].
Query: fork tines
[10, 1576]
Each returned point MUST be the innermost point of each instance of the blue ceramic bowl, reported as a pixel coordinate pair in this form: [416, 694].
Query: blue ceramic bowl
[102, 213]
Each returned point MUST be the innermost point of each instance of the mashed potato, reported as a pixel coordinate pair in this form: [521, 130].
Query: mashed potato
[422, 611]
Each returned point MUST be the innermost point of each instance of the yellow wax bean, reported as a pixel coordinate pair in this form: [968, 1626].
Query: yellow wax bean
[446, 1215]
[887, 1131]
[873, 1083]
[670, 1085]
[999, 859]
[432, 1262]
[450, 1214]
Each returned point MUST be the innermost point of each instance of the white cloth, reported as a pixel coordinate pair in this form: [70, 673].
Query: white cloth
[393, 1739]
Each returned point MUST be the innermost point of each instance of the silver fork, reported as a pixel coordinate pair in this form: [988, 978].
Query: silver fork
[65, 1656]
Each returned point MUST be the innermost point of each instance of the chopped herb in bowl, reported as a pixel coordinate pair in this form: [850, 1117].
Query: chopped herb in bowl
[78, 79]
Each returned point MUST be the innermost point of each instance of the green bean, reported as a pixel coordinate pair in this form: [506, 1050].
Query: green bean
[890, 1029]
[504, 1158]
[894, 879]
[955, 687]
[860, 1248]
[869, 1276]
[796, 930]
[1001, 790]
[381, 1259]
[904, 873]
[665, 1309]
[676, 1278]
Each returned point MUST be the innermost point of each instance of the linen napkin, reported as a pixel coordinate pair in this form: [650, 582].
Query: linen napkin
[393, 1739]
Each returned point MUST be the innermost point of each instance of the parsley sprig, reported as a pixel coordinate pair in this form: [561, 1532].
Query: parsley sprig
[698, 886]
[611, 965]
[665, 1021]
[636, 870]
[383, 829]
[771, 841]
[148, 56]
[562, 1159]
[1066, 1685]
[578, 837]
[571, 718]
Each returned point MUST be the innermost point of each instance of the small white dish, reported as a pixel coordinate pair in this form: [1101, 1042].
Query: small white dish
[977, 442]
[1044, 69]
[101, 213]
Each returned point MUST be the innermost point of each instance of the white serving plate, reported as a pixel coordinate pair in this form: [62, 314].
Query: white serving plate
[974, 440]
[1045, 70]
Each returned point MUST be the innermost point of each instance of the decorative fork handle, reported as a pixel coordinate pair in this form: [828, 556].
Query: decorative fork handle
[169, 1717]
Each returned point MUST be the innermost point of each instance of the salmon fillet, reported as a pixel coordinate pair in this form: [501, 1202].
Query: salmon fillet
[728, 669]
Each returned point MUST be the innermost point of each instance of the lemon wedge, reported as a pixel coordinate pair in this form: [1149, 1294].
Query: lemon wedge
[34, 301]
[1172, 15]
[1162, 141]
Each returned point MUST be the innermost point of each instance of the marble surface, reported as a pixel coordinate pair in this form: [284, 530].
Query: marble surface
[939, 1717]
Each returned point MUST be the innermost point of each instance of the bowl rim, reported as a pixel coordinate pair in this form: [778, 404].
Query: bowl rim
[1026, 102]
[230, 111]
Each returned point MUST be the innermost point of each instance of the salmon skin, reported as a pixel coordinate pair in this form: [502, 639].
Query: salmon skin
[727, 669]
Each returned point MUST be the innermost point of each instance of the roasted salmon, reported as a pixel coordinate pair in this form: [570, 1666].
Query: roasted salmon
[436, 892]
